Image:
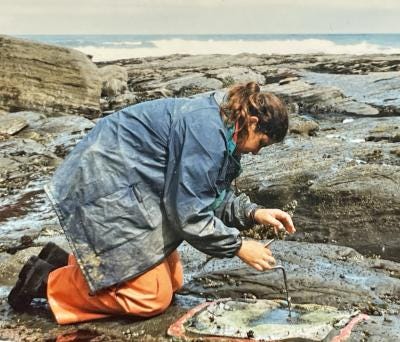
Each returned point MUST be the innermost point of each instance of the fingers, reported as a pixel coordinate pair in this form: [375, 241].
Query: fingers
[263, 265]
[256, 255]
[288, 223]
[279, 219]
[270, 260]
[276, 223]
[284, 221]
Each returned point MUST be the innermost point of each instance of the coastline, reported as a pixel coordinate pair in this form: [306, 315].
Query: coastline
[113, 47]
[340, 162]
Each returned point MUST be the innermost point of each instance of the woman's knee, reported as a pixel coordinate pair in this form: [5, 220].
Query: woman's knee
[146, 301]
[153, 306]
[176, 270]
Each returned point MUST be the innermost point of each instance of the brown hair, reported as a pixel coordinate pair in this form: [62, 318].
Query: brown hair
[245, 100]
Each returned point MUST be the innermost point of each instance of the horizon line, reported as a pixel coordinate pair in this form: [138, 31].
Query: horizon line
[200, 34]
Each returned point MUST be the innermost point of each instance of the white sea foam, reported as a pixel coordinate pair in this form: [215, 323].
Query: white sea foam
[123, 43]
[133, 49]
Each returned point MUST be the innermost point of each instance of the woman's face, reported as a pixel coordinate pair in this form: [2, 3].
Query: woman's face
[255, 140]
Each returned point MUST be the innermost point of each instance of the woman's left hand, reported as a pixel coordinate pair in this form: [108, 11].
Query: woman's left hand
[279, 219]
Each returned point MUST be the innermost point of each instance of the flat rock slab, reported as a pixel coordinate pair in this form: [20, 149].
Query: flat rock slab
[10, 125]
[379, 89]
[263, 320]
[318, 99]
[316, 274]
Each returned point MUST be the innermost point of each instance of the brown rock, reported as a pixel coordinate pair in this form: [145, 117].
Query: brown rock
[46, 78]
[114, 80]
[300, 125]
[10, 125]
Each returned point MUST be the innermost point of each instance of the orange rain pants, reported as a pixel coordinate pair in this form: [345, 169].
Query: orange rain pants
[146, 295]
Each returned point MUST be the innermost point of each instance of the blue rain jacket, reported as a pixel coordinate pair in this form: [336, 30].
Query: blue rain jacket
[143, 180]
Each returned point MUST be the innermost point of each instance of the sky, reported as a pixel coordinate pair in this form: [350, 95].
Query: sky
[198, 16]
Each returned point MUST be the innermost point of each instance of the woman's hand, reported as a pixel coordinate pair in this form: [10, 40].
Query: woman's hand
[276, 218]
[256, 255]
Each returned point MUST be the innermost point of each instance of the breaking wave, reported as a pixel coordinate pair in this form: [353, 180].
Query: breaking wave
[105, 47]
[269, 47]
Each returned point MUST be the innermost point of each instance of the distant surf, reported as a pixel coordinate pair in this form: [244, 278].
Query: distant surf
[112, 47]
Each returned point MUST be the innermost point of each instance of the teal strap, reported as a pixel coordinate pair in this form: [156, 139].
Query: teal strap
[217, 202]
[231, 143]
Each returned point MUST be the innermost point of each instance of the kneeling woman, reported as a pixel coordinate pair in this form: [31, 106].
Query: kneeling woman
[142, 181]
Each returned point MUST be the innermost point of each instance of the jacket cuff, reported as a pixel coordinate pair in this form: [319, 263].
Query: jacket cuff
[240, 241]
[250, 211]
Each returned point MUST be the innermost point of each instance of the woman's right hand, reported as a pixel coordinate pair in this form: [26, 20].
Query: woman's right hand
[256, 255]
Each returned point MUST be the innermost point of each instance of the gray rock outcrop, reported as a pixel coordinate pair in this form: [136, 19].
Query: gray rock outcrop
[319, 99]
[345, 179]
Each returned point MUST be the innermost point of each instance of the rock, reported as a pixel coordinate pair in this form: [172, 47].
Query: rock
[276, 75]
[47, 78]
[62, 132]
[345, 191]
[32, 119]
[191, 73]
[10, 125]
[377, 89]
[197, 62]
[352, 107]
[189, 84]
[303, 126]
[104, 105]
[288, 80]
[351, 65]
[313, 274]
[317, 274]
[232, 75]
[344, 177]
[114, 80]
[26, 164]
[121, 101]
[319, 99]
[396, 151]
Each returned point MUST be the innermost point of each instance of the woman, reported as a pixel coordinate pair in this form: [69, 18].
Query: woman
[143, 180]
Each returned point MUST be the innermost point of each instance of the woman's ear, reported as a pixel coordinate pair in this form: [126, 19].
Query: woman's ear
[253, 120]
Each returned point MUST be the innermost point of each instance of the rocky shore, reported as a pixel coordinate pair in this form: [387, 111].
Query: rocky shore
[340, 163]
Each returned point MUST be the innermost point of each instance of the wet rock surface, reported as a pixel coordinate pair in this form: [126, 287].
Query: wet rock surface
[340, 163]
[267, 320]
[345, 179]
[26, 162]
[317, 273]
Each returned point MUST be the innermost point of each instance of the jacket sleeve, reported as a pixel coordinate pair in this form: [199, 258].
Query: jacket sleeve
[235, 210]
[196, 156]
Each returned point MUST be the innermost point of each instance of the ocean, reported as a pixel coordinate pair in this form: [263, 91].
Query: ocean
[112, 47]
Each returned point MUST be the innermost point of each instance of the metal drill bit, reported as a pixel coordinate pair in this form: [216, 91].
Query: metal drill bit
[269, 242]
[286, 288]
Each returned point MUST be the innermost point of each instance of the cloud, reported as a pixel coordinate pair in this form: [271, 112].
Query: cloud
[198, 16]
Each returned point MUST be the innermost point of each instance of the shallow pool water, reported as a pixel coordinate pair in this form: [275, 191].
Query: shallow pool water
[276, 316]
